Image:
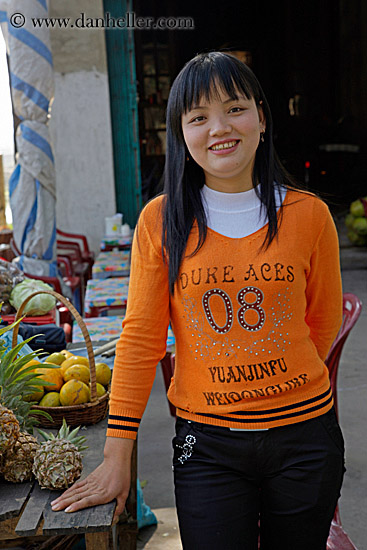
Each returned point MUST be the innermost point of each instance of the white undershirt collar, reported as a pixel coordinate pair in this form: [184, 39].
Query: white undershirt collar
[235, 215]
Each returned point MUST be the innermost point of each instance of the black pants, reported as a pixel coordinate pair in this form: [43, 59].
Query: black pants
[289, 478]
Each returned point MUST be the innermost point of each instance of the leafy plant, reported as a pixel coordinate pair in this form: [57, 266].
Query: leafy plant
[17, 381]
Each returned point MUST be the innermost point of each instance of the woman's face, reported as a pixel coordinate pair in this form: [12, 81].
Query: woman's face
[222, 136]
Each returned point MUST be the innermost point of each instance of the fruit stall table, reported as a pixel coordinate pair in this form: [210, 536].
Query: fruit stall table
[116, 243]
[106, 294]
[111, 264]
[25, 509]
[106, 328]
[99, 328]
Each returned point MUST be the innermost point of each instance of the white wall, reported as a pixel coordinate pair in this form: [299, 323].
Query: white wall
[81, 135]
[81, 125]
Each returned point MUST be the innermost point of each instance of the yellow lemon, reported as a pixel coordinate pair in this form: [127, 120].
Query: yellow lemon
[77, 372]
[101, 390]
[52, 376]
[73, 360]
[36, 395]
[51, 399]
[103, 373]
[74, 392]
[55, 358]
[83, 360]
[66, 353]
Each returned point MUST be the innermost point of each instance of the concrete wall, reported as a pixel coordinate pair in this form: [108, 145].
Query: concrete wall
[80, 123]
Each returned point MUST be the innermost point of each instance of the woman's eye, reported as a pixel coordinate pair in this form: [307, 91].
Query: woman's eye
[197, 119]
[236, 109]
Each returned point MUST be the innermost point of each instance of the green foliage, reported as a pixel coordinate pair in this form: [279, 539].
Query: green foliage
[18, 381]
[65, 433]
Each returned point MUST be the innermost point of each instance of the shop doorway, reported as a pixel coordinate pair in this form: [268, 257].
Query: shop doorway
[296, 50]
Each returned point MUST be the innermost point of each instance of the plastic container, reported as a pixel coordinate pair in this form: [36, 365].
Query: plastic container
[113, 225]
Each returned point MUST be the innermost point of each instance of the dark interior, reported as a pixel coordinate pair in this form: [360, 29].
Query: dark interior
[309, 59]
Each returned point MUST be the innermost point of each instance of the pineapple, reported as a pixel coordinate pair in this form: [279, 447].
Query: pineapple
[9, 429]
[16, 382]
[16, 463]
[58, 462]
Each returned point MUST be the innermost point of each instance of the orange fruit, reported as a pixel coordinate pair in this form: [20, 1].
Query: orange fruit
[66, 353]
[36, 395]
[52, 376]
[82, 360]
[51, 399]
[74, 392]
[31, 364]
[39, 392]
[77, 372]
[73, 360]
[101, 390]
[103, 374]
[55, 358]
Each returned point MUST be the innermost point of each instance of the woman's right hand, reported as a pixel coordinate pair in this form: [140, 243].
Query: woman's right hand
[109, 480]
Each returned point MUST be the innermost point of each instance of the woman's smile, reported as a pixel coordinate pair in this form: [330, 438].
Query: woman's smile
[224, 147]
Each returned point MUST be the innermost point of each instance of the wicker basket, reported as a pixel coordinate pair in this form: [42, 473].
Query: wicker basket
[75, 415]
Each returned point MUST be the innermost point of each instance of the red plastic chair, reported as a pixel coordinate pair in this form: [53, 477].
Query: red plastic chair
[72, 253]
[352, 307]
[73, 281]
[69, 240]
[81, 239]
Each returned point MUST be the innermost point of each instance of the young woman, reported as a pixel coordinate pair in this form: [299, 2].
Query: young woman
[245, 266]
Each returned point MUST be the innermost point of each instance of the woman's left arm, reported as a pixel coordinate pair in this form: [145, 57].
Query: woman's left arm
[324, 292]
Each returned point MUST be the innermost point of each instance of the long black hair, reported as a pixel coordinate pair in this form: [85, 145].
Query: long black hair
[200, 78]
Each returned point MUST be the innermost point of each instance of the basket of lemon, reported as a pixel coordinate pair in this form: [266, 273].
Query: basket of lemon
[78, 387]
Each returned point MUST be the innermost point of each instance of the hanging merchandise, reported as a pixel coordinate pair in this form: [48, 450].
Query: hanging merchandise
[10, 276]
[32, 190]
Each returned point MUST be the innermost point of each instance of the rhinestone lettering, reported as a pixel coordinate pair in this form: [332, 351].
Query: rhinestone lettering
[187, 448]
[241, 297]
[228, 306]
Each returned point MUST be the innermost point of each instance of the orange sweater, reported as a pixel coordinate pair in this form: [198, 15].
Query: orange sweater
[252, 329]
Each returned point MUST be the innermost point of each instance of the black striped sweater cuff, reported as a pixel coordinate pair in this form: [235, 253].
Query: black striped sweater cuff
[118, 422]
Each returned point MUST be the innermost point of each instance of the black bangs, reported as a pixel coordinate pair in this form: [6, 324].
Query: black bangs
[205, 75]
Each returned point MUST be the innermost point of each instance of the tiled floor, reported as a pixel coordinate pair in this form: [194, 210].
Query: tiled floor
[163, 536]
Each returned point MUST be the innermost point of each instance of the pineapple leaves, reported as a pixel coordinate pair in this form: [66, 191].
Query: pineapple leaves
[18, 381]
[78, 443]
[40, 413]
[74, 432]
[10, 365]
[46, 436]
[65, 434]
